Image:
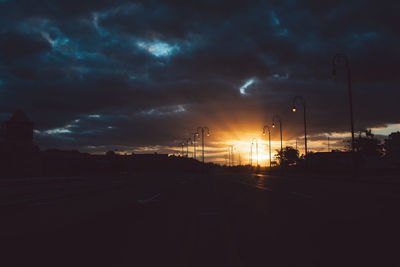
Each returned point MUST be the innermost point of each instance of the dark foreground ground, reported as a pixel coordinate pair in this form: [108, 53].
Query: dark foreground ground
[184, 219]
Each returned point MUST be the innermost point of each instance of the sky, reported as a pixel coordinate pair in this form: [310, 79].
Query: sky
[142, 76]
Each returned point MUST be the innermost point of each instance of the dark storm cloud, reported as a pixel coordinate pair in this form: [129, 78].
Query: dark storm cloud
[148, 72]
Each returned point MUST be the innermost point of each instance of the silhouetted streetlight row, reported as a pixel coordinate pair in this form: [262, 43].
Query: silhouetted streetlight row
[302, 101]
[199, 134]
[203, 131]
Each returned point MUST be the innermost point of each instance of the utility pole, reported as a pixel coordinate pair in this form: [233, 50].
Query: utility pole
[350, 95]
[269, 145]
[194, 145]
[202, 129]
[251, 154]
[328, 145]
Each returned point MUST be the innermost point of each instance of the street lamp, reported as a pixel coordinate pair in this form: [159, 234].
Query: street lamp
[203, 129]
[188, 141]
[299, 98]
[347, 65]
[231, 161]
[269, 139]
[251, 155]
[182, 146]
[195, 135]
[254, 141]
[278, 119]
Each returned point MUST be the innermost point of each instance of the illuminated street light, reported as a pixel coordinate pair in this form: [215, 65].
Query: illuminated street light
[269, 146]
[203, 129]
[347, 65]
[299, 98]
[278, 119]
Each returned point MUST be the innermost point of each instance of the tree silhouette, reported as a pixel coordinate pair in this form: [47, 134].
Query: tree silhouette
[288, 156]
[392, 147]
[367, 145]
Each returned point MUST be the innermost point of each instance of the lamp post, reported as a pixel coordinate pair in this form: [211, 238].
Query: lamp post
[188, 141]
[182, 146]
[269, 140]
[278, 119]
[347, 65]
[300, 98]
[251, 155]
[254, 141]
[194, 144]
[230, 155]
[202, 130]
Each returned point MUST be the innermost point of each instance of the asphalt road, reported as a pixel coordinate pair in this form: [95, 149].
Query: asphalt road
[186, 219]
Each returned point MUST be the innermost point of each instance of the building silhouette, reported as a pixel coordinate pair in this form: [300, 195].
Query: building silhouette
[18, 133]
[20, 157]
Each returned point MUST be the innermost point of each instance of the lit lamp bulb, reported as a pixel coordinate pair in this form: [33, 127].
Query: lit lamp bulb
[208, 134]
[294, 109]
[273, 125]
[263, 133]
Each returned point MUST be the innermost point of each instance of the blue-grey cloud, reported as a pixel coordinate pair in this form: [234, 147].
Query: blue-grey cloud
[152, 70]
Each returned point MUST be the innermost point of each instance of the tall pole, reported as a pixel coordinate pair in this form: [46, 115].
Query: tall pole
[347, 65]
[276, 117]
[233, 157]
[269, 145]
[254, 141]
[305, 131]
[280, 128]
[187, 147]
[257, 151]
[305, 122]
[328, 143]
[202, 144]
[270, 156]
[194, 145]
[202, 129]
[229, 156]
[251, 154]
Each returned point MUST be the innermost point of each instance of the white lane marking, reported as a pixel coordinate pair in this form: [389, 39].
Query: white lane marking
[301, 195]
[149, 200]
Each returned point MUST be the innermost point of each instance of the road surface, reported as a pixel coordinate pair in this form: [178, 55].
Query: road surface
[184, 219]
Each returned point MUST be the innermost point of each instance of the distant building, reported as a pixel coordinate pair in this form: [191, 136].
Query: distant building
[18, 133]
[19, 157]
